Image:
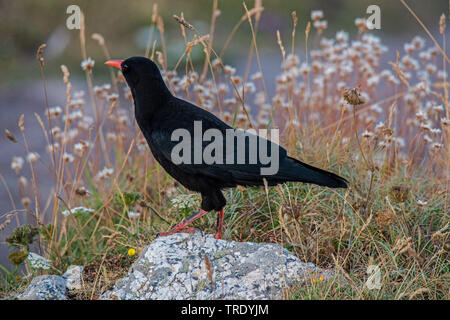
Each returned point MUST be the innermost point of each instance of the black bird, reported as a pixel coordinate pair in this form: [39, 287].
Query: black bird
[159, 113]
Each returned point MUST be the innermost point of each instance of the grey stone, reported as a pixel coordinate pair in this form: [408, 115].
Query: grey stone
[47, 287]
[73, 277]
[175, 267]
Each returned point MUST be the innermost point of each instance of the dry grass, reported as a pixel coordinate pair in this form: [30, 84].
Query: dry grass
[393, 148]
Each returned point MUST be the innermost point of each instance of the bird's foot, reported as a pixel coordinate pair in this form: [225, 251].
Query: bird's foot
[182, 226]
[184, 230]
[218, 234]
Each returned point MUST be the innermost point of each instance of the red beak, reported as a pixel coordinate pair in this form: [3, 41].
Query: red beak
[115, 63]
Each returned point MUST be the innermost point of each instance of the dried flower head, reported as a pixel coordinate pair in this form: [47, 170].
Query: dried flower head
[400, 193]
[442, 24]
[183, 22]
[99, 38]
[385, 218]
[10, 136]
[353, 96]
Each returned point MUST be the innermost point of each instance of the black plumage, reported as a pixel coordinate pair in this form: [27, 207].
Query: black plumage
[158, 113]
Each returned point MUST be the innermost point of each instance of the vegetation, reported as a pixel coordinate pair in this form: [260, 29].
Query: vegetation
[392, 143]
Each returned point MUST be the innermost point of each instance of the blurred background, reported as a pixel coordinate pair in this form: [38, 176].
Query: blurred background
[125, 25]
[25, 24]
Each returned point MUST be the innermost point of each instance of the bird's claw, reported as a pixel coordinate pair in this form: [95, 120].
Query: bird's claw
[184, 230]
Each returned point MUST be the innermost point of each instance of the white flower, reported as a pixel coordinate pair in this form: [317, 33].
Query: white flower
[112, 97]
[216, 63]
[421, 203]
[38, 262]
[342, 36]
[320, 25]
[445, 122]
[438, 108]
[17, 163]
[54, 111]
[32, 157]
[229, 70]
[257, 76]
[436, 146]
[67, 157]
[133, 214]
[105, 173]
[79, 149]
[427, 139]
[76, 210]
[111, 136]
[23, 181]
[316, 15]
[360, 22]
[50, 148]
[367, 134]
[78, 94]
[88, 64]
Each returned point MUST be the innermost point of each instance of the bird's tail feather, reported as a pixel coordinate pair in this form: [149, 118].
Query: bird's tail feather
[295, 170]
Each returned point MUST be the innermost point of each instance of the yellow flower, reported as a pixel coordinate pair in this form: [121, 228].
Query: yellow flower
[314, 279]
[131, 252]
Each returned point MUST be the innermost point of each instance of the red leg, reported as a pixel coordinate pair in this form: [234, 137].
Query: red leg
[219, 224]
[181, 227]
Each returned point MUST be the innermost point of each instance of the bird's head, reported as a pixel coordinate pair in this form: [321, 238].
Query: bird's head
[141, 74]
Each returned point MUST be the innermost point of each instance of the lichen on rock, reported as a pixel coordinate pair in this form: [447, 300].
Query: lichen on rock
[192, 266]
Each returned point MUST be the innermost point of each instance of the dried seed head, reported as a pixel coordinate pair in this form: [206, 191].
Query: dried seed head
[66, 74]
[442, 24]
[437, 237]
[39, 54]
[99, 38]
[256, 10]
[26, 201]
[353, 96]
[21, 119]
[81, 191]
[6, 222]
[400, 193]
[183, 22]
[294, 18]
[155, 12]
[10, 136]
[159, 57]
[385, 218]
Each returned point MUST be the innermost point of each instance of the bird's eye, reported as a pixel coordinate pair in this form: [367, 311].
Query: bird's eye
[124, 68]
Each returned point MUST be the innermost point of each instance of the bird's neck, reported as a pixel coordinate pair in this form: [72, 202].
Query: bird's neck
[149, 98]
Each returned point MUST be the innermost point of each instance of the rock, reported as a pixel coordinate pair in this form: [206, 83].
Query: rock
[73, 278]
[47, 287]
[192, 266]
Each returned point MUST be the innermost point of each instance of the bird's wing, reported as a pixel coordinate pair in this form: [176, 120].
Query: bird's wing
[165, 138]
